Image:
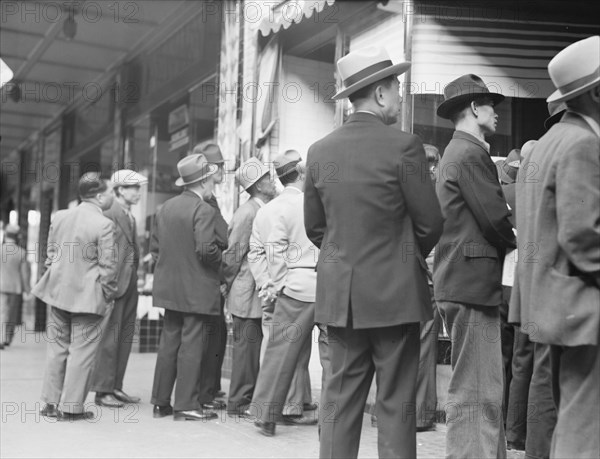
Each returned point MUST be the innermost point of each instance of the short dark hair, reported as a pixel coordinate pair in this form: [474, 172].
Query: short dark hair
[290, 177]
[364, 93]
[90, 184]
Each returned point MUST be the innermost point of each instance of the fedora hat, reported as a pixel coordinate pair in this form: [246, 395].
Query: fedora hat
[463, 90]
[576, 69]
[250, 172]
[508, 168]
[556, 111]
[211, 151]
[194, 168]
[364, 66]
[286, 162]
[127, 177]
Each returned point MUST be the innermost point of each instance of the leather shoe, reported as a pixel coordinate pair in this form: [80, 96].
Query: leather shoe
[515, 445]
[194, 415]
[220, 394]
[123, 397]
[63, 416]
[107, 400]
[160, 411]
[50, 410]
[429, 428]
[266, 428]
[310, 406]
[214, 405]
[300, 420]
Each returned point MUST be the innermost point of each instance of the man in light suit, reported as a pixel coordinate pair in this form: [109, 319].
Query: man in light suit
[557, 284]
[187, 248]
[467, 270]
[79, 286]
[370, 207]
[14, 281]
[242, 298]
[113, 352]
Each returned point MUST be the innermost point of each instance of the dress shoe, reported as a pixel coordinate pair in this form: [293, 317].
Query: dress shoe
[266, 428]
[123, 397]
[86, 415]
[1, 346]
[239, 411]
[214, 405]
[107, 400]
[310, 406]
[50, 410]
[515, 445]
[194, 415]
[429, 428]
[161, 411]
[300, 420]
[220, 394]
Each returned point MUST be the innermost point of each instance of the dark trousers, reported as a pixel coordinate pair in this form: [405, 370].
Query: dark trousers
[507, 338]
[247, 340]
[220, 346]
[576, 382]
[541, 415]
[355, 355]
[518, 393]
[10, 304]
[113, 353]
[426, 377]
[182, 350]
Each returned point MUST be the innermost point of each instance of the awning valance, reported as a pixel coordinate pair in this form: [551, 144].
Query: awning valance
[286, 13]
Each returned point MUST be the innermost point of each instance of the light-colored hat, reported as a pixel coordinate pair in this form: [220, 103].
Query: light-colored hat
[12, 229]
[194, 168]
[576, 69]
[364, 66]
[462, 91]
[286, 162]
[211, 151]
[127, 177]
[250, 172]
[508, 168]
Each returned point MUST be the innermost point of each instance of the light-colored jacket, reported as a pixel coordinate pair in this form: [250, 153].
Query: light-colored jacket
[280, 251]
[82, 264]
[14, 269]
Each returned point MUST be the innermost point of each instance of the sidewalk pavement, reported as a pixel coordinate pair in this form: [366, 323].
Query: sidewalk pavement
[132, 431]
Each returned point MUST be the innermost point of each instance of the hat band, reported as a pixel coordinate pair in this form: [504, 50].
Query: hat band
[579, 82]
[195, 176]
[366, 72]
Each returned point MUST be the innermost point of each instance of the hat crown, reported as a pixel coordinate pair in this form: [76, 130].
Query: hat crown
[193, 168]
[211, 151]
[579, 60]
[250, 172]
[465, 85]
[127, 177]
[361, 59]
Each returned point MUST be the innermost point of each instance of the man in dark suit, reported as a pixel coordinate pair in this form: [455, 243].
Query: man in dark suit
[467, 271]
[187, 249]
[113, 352]
[371, 209]
[79, 286]
[557, 284]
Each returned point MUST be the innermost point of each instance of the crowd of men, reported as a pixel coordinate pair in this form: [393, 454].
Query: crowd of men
[352, 253]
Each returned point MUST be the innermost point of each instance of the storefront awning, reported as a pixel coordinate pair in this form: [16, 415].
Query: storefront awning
[287, 13]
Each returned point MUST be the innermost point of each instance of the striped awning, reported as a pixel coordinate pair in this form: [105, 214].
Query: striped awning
[286, 13]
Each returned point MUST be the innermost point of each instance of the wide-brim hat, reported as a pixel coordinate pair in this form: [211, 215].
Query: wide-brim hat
[463, 90]
[575, 70]
[250, 172]
[194, 168]
[508, 168]
[211, 151]
[556, 110]
[287, 162]
[364, 66]
[127, 177]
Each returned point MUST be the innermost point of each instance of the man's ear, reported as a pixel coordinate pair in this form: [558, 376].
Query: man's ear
[474, 106]
[378, 94]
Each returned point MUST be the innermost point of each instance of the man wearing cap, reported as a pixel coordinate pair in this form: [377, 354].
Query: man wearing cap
[210, 381]
[14, 281]
[242, 298]
[557, 283]
[370, 207]
[468, 270]
[79, 286]
[186, 246]
[115, 347]
[287, 269]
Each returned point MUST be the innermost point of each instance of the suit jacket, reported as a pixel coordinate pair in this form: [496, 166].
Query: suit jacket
[82, 261]
[128, 253]
[557, 284]
[221, 229]
[370, 206]
[187, 250]
[14, 268]
[468, 259]
[242, 300]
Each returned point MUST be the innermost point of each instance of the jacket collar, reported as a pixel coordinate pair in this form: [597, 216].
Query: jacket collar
[364, 116]
[572, 117]
[463, 135]
[90, 206]
[192, 194]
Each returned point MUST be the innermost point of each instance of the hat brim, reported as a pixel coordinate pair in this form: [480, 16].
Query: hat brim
[397, 69]
[245, 187]
[448, 107]
[558, 96]
[212, 170]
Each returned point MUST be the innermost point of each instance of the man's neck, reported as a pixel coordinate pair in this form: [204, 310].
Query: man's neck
[471, 128]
